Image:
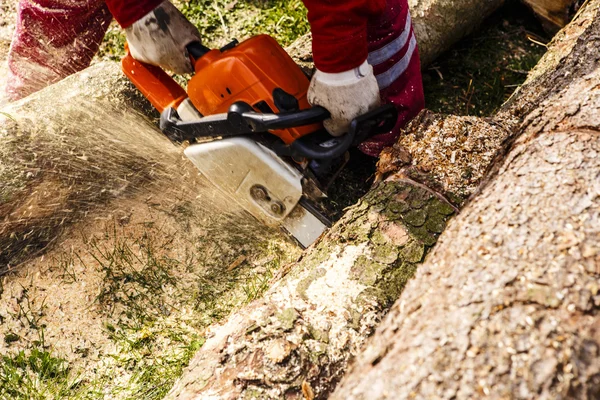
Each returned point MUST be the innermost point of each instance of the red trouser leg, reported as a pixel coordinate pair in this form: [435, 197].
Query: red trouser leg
[394, 56]
[53, 39]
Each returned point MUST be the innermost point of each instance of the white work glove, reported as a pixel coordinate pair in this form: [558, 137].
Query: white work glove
[160, 38]
[346, 95]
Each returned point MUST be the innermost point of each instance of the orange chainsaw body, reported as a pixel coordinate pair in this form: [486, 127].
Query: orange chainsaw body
[248, 72]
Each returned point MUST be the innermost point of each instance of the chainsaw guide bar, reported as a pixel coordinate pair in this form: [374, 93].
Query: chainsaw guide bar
[252, 132]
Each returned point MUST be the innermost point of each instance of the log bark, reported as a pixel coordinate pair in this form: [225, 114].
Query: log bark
[296, 342]
[507, 304]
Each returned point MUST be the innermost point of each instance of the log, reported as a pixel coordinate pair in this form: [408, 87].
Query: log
[298, 339]
[507, 304]
[85, 146]
[438, 24]
[554, 14]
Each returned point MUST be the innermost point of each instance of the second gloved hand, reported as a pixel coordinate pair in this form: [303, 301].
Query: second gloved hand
[160, 38]
[346, 95]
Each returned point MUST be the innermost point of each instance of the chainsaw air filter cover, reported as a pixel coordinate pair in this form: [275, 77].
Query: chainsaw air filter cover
[253, 72]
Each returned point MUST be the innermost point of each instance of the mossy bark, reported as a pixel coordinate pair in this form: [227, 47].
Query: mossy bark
[300, 335]
[507, 306]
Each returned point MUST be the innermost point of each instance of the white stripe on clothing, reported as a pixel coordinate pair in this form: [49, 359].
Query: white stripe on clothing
[386, 52]
[388, 77]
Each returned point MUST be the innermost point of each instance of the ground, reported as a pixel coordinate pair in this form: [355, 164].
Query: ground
[135, 309]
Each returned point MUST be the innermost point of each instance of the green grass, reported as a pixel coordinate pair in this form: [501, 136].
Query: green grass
[33, 372]
[220, 21]
[154, 307]
[476, 76]
[135, 276]
[285, 20]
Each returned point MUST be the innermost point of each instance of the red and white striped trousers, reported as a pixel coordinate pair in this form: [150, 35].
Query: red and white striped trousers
[394, 55]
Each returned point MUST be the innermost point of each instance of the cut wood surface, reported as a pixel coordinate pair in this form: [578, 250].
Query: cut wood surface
[507, 304]
[554, 14]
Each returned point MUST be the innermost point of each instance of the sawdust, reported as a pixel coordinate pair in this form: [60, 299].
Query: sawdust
[109, 236]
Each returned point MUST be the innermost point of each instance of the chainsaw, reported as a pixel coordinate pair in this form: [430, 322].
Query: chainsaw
[252, 132]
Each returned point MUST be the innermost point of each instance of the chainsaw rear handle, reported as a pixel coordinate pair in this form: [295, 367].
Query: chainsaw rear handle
[379, 120]
[243, 120]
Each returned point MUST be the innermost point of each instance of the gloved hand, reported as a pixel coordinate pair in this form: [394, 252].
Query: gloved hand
[160, 38]
[346, 95]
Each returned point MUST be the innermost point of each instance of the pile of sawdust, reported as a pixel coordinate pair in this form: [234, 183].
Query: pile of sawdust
[109, 236]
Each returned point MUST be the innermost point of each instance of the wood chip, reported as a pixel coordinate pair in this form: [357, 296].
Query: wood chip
[236, 263]
[307, 391]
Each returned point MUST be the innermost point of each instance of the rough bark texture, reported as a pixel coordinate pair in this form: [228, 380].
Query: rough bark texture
[507, 304]
[299, 337]
[297, 340]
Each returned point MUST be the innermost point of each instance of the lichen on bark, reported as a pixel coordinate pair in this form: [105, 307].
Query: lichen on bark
[308, 325]
[518, 313]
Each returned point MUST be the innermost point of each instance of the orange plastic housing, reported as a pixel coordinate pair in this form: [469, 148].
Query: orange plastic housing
[248, 72]
[154, 83]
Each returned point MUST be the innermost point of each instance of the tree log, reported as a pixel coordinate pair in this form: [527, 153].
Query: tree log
[554, 14]
[297, 340]
[507, 304]
[74, 148]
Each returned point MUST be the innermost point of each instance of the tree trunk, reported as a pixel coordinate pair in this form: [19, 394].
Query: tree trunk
[438, 24]
[554, 14]
[297, 341]
[507, 304]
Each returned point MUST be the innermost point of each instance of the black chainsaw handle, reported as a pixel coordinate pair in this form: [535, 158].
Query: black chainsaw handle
[240, 120]
[243, 120]
[380, 120]
[241, 112]
[197, 50]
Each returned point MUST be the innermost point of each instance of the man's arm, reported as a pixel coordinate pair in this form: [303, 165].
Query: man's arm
[126, 12]
[344, 82]
[339, 30]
